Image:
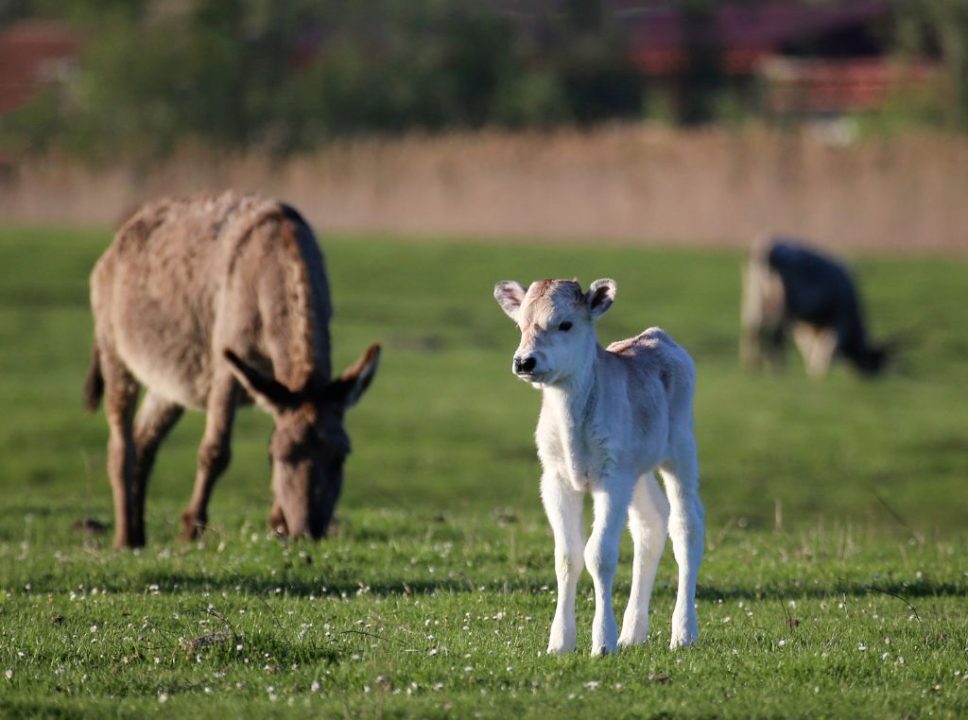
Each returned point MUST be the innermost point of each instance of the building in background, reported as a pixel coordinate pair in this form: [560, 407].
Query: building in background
[35, 54]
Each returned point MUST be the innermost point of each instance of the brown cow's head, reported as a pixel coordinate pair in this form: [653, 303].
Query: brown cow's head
[309, 444]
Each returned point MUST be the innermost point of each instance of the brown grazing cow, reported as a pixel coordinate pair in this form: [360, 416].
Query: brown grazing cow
[209, 302]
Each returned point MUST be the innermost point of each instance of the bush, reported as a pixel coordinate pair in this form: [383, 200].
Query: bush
[287, 76]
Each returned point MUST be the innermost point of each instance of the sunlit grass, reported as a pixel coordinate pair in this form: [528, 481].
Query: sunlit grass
[834, 584]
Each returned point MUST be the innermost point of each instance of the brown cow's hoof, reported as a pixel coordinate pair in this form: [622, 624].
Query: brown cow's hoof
[127, 542]
[193, 527]
[277, 522]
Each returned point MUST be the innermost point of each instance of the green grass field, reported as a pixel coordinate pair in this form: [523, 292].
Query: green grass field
[835, 582]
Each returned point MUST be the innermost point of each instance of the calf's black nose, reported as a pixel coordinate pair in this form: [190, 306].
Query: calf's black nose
[524, 365]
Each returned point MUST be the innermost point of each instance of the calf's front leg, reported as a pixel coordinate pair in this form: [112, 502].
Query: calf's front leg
[648, 523]
[563, 507]
[611, 503]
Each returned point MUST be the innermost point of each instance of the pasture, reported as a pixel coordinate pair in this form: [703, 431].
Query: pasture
[835, 582]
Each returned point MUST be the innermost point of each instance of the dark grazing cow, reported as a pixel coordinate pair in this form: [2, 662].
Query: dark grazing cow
[788, 286]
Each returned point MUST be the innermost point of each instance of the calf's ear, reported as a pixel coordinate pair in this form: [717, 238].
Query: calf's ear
[267, 391]
[347, 389]
[509, 295]
[600, 296]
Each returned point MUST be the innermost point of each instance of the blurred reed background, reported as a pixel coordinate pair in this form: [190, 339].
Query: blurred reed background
[624, 183]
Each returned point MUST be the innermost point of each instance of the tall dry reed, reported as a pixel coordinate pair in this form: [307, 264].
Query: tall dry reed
[625, 183]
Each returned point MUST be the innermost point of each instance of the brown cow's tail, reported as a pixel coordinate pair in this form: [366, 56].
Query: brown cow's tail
[94, 384]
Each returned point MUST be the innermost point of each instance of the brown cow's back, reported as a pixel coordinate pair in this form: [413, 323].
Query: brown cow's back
[186, 278]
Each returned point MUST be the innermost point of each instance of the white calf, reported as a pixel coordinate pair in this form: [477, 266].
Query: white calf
[609, 419]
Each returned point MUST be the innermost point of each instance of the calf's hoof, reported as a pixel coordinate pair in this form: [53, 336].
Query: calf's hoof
[563, 638]
[603, 650]
[684, 638]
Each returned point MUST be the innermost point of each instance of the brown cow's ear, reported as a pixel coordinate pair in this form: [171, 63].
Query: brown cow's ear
[268, 392]
[347, 389]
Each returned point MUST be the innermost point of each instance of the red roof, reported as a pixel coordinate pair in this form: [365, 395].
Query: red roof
[743, 32]
[834, 86]
[33, 53]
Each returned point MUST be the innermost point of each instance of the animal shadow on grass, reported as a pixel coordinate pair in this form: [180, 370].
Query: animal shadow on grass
[894, 588]
[265, 585]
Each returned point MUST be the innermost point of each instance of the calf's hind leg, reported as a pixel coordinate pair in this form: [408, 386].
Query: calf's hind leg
[686, 528]
[649, 527]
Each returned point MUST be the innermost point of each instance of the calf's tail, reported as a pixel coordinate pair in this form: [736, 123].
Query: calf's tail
[94, 384]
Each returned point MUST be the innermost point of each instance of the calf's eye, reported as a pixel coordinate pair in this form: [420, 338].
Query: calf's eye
[565, 326]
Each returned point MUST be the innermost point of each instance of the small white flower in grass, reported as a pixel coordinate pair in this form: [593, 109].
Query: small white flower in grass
[781, 643]
[162, 696]
[592, 684]
[8, 674]
[93, 628]
[862, 647]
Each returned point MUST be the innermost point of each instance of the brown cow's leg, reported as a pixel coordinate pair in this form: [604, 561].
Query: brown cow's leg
[214, 454]
[155, 419]
[120, 397]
